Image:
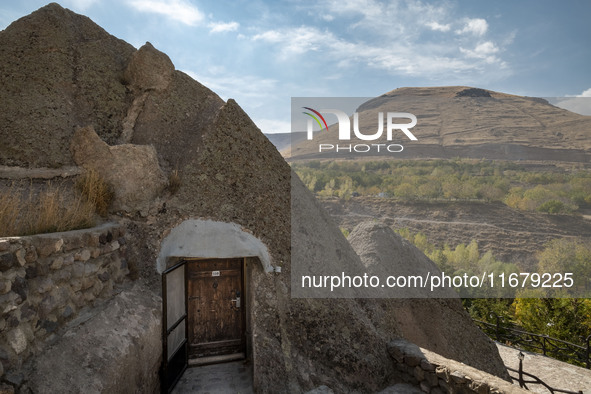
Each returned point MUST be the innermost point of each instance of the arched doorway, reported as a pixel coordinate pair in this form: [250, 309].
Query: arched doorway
[205, 269]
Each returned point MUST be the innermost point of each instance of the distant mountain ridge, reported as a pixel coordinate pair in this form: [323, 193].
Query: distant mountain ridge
[283, 141]
[471, 122]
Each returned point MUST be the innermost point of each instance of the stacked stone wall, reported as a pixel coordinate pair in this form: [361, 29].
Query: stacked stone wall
[49, 280]
[435, 374]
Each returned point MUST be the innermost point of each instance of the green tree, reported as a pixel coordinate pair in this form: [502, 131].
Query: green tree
[405, 191]
[566, 255]
[568, 319]
[552, 206]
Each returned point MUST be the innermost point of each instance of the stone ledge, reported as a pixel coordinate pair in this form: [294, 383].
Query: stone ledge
[7, 172]
[433, 373]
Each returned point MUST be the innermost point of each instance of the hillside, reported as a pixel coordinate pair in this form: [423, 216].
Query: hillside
[511, 235]
[470, 122]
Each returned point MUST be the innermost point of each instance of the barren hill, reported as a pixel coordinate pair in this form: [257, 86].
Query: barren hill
[470, 122]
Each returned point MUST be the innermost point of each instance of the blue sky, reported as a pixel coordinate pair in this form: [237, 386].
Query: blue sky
[262, 53]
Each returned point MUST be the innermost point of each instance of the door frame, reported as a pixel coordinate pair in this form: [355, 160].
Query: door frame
[168, 382]
[174, 366]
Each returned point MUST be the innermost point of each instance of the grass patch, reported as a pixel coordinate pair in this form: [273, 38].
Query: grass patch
[96, 191]
[174, 182]
[52, 209]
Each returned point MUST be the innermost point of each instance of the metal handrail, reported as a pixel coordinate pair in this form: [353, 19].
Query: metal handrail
[549, 346]
[522, 382]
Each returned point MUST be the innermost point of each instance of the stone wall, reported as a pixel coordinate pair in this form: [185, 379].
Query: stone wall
[434, 374]
[47, 280]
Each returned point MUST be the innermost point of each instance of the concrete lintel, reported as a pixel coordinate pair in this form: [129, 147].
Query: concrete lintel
[211, 239]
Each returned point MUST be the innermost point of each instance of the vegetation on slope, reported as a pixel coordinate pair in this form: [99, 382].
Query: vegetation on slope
[27, 209]
[544, 190]
[567, 319]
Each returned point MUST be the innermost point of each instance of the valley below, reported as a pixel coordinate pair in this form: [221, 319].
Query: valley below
[513, 236]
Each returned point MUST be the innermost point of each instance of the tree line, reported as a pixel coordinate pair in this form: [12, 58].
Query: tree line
[565, 318]
[558, 191]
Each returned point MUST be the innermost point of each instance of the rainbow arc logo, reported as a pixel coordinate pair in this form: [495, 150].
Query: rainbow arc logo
[315, 118]
[346, 135]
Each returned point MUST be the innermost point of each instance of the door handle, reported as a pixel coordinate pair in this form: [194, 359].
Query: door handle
[237, 299]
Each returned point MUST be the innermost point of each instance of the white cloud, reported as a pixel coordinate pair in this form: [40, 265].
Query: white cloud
[398, 57]
[239, 87]
[476, 26]
[221, 27]
[393, 19]
[485, 50]
[436, 26]
[367, 8]
[177, 10]
[586, 93]
[251, 92]
[79, 5]
[295, 41]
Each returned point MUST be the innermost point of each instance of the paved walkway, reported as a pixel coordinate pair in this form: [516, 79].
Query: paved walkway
[227, 378]
[557, 374]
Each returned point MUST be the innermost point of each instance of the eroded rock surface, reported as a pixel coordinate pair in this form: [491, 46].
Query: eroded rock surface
[117, 350]
[438, 324]
[132, 170]
[149, 69]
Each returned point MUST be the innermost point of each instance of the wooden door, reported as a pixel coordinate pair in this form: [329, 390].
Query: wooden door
[216, 317]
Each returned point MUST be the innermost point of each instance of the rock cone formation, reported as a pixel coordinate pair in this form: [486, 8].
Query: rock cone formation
[438, 319]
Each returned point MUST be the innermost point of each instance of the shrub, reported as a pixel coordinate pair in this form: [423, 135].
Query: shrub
[552, 206]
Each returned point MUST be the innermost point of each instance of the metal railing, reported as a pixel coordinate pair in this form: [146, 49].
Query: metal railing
[552, 347]
[520, 378]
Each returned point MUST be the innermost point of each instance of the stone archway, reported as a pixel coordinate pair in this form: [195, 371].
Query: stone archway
[210, 239]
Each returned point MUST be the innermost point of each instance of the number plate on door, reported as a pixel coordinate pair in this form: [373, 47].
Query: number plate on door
[215, 273]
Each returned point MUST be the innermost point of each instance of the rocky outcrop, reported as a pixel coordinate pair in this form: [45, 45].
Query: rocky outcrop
[473, 92]
[132, 170]
[432, 323]
[78, 72]
[149, 69]
[116, 350]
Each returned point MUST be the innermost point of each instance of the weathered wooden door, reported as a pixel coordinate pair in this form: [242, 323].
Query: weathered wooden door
[216, 317]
